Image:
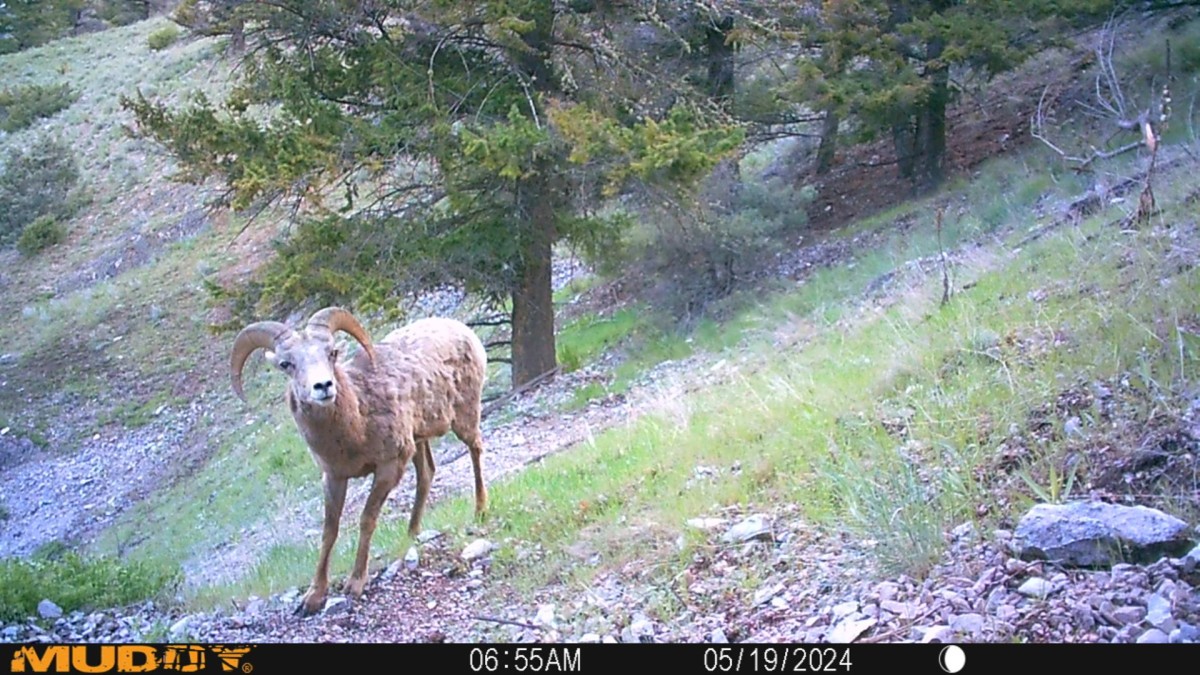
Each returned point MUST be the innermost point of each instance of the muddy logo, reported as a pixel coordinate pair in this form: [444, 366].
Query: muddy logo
[130, 659]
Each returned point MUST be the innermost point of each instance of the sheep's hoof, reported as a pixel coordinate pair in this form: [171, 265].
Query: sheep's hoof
[355, 587]
[311, 604]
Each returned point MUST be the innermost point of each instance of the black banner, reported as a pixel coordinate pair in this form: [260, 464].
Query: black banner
[267, 659]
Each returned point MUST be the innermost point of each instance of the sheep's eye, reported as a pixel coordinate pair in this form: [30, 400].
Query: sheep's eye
[285, 365]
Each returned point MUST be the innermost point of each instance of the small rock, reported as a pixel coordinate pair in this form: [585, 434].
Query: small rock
[336, 605]
[1192, 560]
[996, 597]
[1073, 427]
[779, 603]
[1185, 633]
[1166, 588]
[887, 590]
[844, 609]
[10, 633]
[718, 637]
[638, 630]
[904, 610]
[545, 616]
[1128, 614]
[412, 559]
[750, 529]
[955, 599]
[941, 634]
[963, 531]
[1158, 610]
[590, 638]
[1090, 533]
[705, 524]
[1082, 617]
[48, 610]
[1013, 566]
[393, 569]
[848, 631]
[608, 640]
[970, 624]
[428, 536]
[1153, 636]
[1036, 587]
[762, 595]
[476, 549]
[179, 629]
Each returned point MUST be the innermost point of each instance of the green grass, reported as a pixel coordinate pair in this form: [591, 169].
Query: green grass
[75, 582]
[272, 467]
[585, 338]
[134, 414]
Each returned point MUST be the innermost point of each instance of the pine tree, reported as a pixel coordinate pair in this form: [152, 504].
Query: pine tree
[886, 65]
[434, 142]
[29, 23]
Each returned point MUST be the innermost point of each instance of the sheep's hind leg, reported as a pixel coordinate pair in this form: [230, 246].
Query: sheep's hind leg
[425, 467]
[474, 443]
[335, 500]
[387, 477]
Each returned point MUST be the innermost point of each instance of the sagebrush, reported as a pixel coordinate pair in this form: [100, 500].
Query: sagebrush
[21, 106]
[40, 181]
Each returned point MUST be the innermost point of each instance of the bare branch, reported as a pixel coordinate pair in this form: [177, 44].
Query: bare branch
[499, 401]
[490, 321]
[1110, 105]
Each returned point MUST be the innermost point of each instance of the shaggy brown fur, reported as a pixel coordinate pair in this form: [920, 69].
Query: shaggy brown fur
[375, 414]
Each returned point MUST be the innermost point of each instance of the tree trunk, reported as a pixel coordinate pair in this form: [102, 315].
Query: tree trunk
[827, 150]
[538, 201]
[904, 144]
[533, 344]
[726, 179]
[720, 60]
[931, 130]
[237, 35]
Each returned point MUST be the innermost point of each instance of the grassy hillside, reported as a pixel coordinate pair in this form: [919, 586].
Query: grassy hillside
[131, 266]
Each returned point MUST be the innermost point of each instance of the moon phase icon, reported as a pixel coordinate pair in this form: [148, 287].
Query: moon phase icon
[952, 659]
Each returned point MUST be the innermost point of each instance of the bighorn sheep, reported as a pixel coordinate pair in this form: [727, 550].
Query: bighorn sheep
[373, 414]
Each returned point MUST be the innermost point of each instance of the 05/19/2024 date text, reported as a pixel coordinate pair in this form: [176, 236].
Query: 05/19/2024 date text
[777, 659]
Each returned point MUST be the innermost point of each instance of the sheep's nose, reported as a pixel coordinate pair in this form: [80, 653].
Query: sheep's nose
[323, 387]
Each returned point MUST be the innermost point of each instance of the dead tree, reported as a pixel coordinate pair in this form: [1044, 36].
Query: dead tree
[1123, 116]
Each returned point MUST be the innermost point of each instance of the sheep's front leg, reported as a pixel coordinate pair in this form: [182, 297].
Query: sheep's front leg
[387, 477]
[335, 500]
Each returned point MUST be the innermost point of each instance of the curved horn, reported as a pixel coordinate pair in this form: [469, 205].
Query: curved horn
[260, 335]
[333, 319]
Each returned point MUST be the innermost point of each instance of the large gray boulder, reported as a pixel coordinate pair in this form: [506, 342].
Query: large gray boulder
[1099, 534]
